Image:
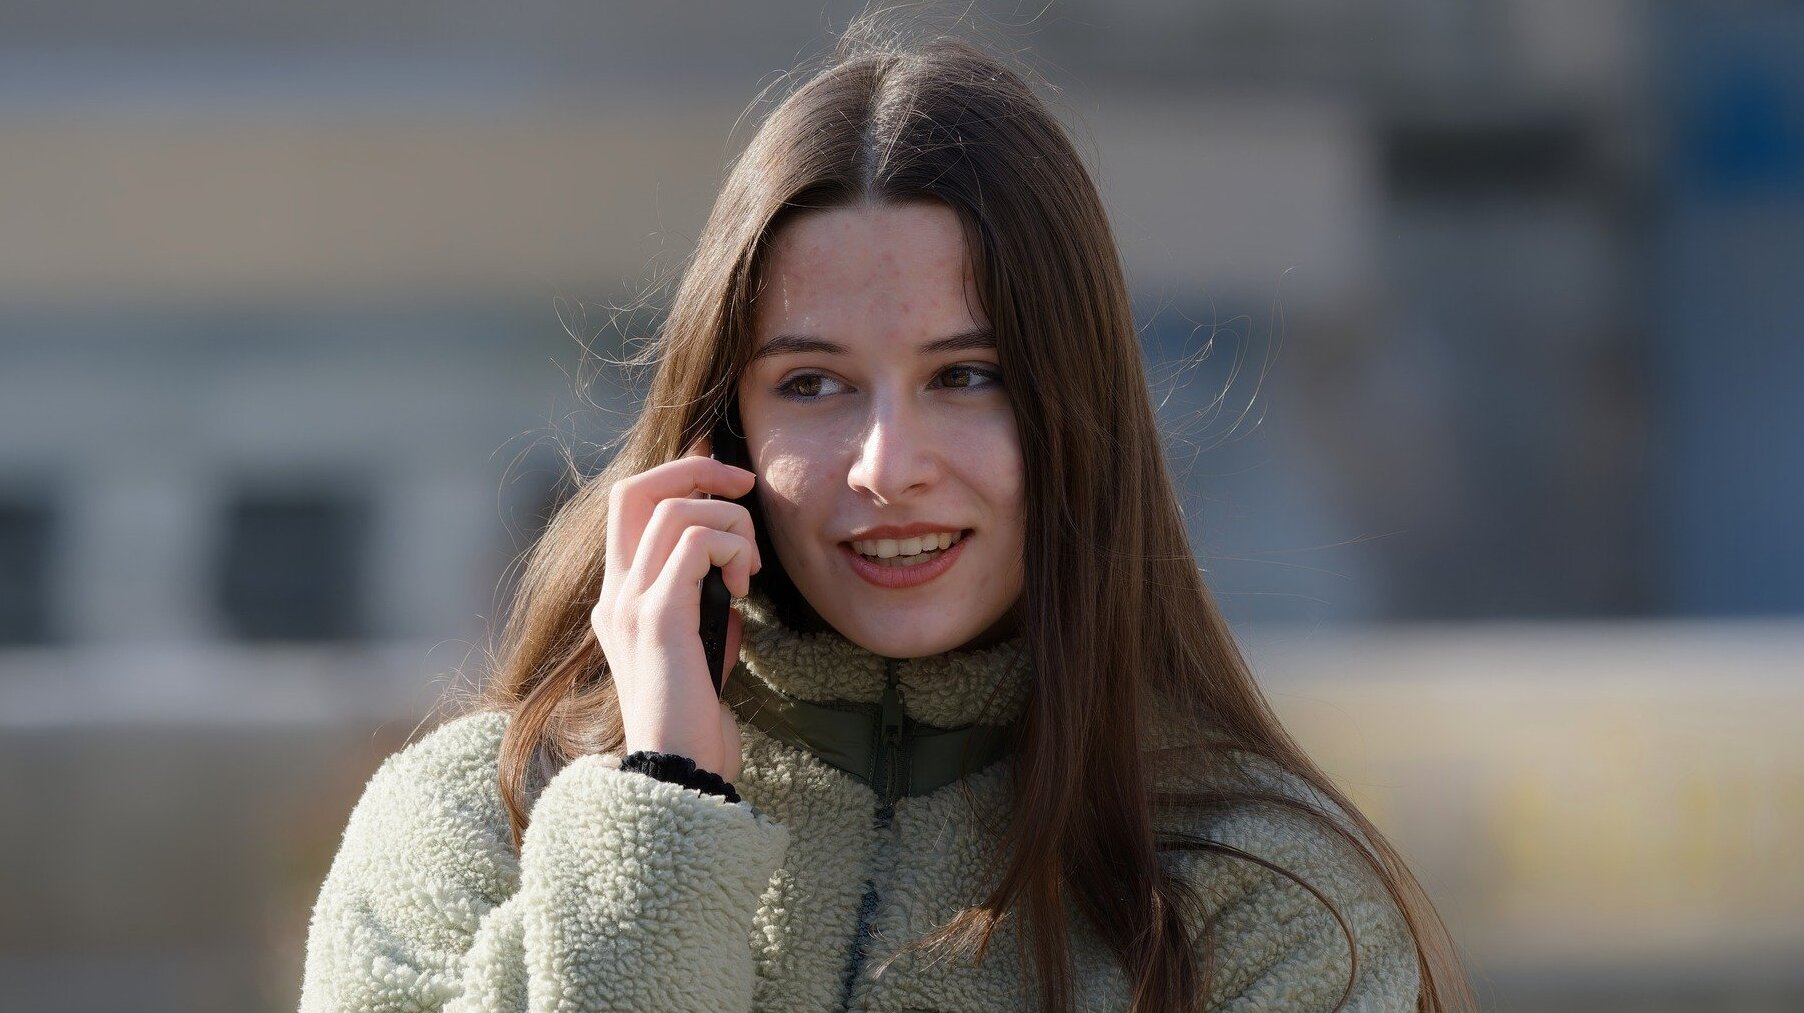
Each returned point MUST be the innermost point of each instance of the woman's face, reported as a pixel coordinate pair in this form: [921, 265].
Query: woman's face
[856, 421]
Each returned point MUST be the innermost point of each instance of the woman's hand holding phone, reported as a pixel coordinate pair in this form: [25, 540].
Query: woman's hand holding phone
[663, 535]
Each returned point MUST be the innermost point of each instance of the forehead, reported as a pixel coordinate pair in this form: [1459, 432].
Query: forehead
[870, 272]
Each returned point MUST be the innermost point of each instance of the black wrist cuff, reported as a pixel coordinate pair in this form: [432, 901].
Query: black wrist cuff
[678, 769]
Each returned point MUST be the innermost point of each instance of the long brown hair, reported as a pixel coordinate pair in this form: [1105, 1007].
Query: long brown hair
[1123, 633]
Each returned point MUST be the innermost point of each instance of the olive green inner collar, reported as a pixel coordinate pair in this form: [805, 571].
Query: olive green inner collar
[876, 743]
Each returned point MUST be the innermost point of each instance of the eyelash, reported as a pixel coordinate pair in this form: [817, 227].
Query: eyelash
[785, 389]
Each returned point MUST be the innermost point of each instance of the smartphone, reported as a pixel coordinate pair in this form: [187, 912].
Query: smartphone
[715, 596]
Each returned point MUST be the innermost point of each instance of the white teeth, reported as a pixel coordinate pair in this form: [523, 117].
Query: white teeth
[886, 548]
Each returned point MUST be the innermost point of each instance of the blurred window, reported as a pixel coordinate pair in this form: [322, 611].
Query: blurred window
[26, 529]
[1469, 161]
[291, 567]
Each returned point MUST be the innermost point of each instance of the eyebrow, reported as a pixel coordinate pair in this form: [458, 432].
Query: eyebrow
[788, 344]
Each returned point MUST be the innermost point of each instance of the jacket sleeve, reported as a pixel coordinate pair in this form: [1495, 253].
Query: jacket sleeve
[629, 893]
[1274, 945]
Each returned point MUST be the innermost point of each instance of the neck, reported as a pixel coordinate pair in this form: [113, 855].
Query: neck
[902, 726]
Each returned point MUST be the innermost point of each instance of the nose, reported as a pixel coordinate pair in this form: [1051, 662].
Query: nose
[898, 452]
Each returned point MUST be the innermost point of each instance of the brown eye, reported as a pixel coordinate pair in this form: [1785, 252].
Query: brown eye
[802, 387]
[966, 372]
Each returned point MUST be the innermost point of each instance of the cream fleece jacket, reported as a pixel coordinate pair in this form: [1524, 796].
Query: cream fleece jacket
[636, 894]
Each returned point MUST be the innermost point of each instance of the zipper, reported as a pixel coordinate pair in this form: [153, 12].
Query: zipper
[888, 780]
[890, 712]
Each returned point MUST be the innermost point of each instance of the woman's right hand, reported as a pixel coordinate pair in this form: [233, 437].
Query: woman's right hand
[662, 537]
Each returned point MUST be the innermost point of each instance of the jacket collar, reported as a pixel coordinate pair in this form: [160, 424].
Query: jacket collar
[903, 726]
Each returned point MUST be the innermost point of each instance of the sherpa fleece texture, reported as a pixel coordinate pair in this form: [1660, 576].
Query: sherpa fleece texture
[636, 894]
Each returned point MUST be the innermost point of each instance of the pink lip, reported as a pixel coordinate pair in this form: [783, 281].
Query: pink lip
[903, 576]
[903, 530]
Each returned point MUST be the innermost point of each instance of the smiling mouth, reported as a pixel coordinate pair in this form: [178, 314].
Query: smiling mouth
[900, 558]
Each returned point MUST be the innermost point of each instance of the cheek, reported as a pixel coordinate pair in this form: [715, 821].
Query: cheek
[787, 477]
[790, 492]
[999, 471]
[1007, 498]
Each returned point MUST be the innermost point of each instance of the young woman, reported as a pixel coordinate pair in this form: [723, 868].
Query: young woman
[987, 745]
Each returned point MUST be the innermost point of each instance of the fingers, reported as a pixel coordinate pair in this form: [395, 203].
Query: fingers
[632, 500]
[678, 586]
[672, 518]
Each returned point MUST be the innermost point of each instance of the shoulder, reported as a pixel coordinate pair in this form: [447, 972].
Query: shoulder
[437, 803]
[1275, 828]
[1275, 940]
[461, 755]
[425, 854]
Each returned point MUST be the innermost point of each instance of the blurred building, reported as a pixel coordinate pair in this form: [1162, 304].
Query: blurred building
[1481, 311]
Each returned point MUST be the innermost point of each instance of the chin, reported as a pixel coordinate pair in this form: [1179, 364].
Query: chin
[914, 640]
[911, 648]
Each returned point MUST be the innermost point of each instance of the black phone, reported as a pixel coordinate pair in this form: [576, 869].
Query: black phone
[716, 599]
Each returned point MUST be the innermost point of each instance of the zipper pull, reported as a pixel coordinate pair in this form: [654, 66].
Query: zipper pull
[892, 705]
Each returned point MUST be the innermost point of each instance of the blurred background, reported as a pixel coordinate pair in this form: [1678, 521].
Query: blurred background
[1475, 327]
